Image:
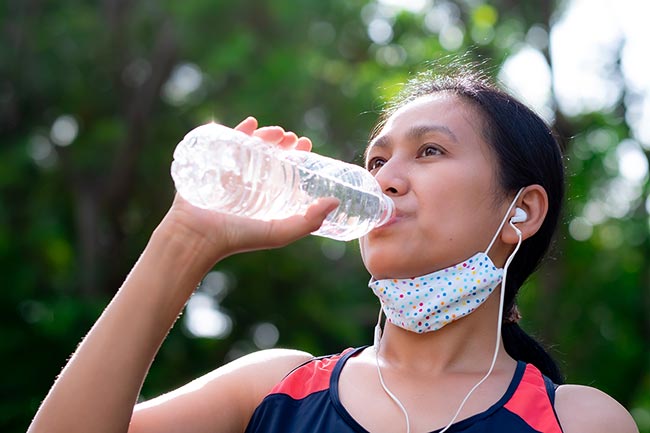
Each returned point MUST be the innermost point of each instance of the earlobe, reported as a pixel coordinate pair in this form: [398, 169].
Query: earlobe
[533, 202]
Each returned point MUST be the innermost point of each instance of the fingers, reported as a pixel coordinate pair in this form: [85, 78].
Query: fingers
[248, 125]
[274, 135]
[303, 143]
[282, 138]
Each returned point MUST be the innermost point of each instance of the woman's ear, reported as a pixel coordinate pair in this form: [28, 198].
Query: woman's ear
[534, 201]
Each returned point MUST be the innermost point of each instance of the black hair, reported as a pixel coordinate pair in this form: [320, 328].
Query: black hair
[527, 153]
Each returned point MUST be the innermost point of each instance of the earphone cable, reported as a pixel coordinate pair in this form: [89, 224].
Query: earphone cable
[498, 339]
[377, 336]
[392, 396]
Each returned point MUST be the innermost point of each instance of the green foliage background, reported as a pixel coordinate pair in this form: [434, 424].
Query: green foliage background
[73, 219]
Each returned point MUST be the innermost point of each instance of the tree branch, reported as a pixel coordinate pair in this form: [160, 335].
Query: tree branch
[141, 105]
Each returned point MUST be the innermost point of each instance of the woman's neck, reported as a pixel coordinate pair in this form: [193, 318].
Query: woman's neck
[464, 345]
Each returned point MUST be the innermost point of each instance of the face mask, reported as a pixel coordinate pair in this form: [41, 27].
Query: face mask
[427, 303]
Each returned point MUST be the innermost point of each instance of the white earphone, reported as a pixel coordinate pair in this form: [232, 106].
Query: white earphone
[520, 216]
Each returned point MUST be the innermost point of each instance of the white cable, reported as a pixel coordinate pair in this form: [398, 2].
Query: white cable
[392, 396]
[377, 338]
[498, 339]
[503, 222]
[381, 377]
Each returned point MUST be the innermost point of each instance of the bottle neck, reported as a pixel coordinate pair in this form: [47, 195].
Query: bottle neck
[388, 210]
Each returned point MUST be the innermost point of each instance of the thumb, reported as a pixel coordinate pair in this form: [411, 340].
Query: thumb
[298, 226]
[317, 212]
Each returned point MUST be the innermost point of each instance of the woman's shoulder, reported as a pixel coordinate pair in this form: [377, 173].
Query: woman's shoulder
[267, 367]
[583, 408]
[277, 355]
[235, 388]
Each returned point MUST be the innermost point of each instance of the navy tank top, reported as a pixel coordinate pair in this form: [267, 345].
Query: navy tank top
[307, 401]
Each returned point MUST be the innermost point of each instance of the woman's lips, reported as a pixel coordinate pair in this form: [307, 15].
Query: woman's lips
[397, 217]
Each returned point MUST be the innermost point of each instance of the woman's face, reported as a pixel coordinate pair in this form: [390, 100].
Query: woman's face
[431, 159]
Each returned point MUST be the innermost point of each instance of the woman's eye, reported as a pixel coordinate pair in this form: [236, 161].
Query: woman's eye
[430, 150]
[375, 163]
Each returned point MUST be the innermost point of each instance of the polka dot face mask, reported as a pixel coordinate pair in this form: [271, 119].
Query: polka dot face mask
[427, 303]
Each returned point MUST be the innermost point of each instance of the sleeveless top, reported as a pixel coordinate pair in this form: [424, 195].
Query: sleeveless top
[307, 401]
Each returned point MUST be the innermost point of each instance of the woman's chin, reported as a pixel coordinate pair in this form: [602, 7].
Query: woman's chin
[380, 271]
[383, 266]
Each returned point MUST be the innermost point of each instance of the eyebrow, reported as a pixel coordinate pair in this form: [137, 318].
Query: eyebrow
[412, 133]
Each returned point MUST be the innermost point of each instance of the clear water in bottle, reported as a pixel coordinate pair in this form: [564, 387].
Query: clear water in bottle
[218, 168]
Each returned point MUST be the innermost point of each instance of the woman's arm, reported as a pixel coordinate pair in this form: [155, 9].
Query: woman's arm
[585, 409]
[220, 401]
[97, 389]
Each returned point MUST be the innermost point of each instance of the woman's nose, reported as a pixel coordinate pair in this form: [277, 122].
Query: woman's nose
[392, 178]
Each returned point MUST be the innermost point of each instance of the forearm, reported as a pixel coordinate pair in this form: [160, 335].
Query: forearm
[98, 388]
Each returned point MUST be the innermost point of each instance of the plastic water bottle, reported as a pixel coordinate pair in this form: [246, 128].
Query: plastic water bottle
[219, 168]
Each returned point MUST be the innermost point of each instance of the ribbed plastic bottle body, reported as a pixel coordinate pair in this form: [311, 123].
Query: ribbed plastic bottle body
[225, 170]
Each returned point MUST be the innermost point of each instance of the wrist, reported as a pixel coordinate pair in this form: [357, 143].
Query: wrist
[185, 247]
[167, 273]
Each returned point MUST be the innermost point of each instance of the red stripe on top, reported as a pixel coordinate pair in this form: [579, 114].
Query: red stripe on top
[531, 402]
[309, 378]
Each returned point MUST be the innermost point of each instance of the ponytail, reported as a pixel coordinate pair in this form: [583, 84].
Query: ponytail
[523, 347]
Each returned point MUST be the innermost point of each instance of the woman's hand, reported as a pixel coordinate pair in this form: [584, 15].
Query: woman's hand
[220, 235]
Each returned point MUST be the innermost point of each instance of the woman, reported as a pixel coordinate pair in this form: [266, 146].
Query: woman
[477, 179]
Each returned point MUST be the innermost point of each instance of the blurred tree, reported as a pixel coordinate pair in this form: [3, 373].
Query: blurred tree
[94, 97]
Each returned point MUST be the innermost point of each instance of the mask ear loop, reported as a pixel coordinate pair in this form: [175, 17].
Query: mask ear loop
[377, 342]
[503, 222]
[501, 302]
